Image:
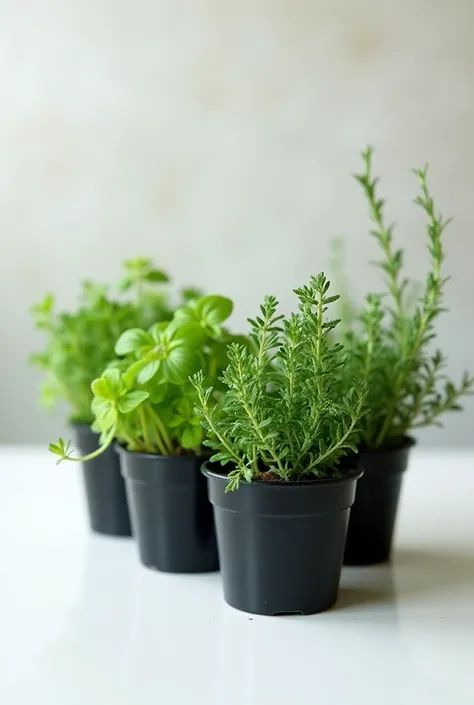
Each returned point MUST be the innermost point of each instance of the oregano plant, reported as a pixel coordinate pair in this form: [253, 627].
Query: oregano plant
[389, 344]
[282, 417]
[80, 344]
[144, 398]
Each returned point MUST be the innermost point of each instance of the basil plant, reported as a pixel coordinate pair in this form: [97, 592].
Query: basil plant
[144, 398]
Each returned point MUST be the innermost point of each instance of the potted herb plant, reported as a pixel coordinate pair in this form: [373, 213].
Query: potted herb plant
[281, 431]
[78, 347]
[145, 401]
[389, 346]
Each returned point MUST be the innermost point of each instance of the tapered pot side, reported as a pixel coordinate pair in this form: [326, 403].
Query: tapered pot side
[104, 486]
[281, 543]
[373, 515]
[171, 516]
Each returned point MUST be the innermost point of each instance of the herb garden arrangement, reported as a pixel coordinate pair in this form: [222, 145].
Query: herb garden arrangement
[275, 456]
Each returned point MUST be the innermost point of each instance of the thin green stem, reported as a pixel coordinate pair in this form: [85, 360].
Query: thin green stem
[248, 410]
[255, 460]
[108, 441]
[319, 341]
[159, 442]
[384, 235]
[431, 300]
[162, 432]
[212, 426]
[127, 438]
[340, 444]
[144, 425]
[212, 367]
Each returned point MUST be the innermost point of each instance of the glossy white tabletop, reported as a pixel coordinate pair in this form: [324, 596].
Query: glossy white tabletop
[82, 623]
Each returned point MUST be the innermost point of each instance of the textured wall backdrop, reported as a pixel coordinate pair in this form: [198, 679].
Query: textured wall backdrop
[218, 136]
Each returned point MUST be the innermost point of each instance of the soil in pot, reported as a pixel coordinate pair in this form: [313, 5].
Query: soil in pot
[171, 515]
[281, 543]
[104, 485]
[373, 515]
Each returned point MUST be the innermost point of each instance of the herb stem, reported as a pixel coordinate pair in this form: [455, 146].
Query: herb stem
[162, 434]
[144, 425]
[341, 443]
[256, 426]
[99, 451]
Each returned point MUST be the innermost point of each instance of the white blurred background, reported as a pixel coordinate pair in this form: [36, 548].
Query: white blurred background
[218, 136]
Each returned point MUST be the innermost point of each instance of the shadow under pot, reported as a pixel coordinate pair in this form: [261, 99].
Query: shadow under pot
[104, 486]
[281, 543]
[372, 520]
[171, 516]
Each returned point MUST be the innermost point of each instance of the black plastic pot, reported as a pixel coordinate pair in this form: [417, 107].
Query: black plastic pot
[281, 543]
[171, 515]
[105, 488]
[372, 521]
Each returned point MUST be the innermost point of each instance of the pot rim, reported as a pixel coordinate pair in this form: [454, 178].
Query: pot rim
[140, 454]
[406, 443]
[354, 473]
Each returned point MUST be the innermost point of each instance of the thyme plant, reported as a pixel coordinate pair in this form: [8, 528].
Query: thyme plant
[80, 344]
[144, 398]
[282, 416]
[389, 344]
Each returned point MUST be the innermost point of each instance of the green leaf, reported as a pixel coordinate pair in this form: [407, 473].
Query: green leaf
[190, 293]
[186, 314]
[125, 284]
[176, 421]
[157, 331]
[191, 334]
[132, 340]
[137, 264]
[213, 310]
[156, 275]
[181, 362]
[45, 306]
[185, 407]
[61, 449]
[113, 378]
[95, 427]
[48, 396]
[108, 418]
[101, 388]
[99, 406]
[132, 400]
[109, 385]
[148, 372]
[158, 391]
[105, 413]
[191, 437]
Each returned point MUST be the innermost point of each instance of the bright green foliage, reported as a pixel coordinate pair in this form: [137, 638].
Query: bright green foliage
[389, 343]
[282, 412]
[80, 344]
[141, 279]
[144, 398]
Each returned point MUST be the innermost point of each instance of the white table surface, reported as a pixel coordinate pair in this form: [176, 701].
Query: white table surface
[81, 622]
